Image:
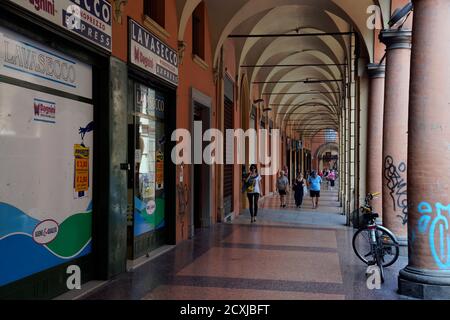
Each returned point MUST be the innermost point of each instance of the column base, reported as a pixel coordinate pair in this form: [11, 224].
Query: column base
[424, 284]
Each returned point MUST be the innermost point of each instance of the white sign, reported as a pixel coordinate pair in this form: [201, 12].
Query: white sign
[44, 111]
[23, 59]
[45, 232]
[90, 19]
[151, 54]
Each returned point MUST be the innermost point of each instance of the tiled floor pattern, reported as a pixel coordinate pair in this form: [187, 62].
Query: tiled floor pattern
[328, 214]
[328, 202]
[269, 260]
[196, 293]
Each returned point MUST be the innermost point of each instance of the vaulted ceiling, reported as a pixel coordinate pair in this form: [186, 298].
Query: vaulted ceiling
[306, 105]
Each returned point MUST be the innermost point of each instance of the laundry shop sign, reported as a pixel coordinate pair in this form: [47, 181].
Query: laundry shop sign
[26, 60]
[90, 19]
[151, 54]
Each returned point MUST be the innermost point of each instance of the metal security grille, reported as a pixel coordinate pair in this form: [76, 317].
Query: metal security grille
[228, 169]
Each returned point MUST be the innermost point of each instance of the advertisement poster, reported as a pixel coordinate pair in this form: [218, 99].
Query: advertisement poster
[42, 224]
[81, 170]
[159, 170]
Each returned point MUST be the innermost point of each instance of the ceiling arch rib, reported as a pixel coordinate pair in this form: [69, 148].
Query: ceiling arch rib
[284, 47]
[304, 116]
[300, 77]
[295, 19]
[296, 106]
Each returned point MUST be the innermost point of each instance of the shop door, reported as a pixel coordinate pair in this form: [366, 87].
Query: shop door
[146, 194]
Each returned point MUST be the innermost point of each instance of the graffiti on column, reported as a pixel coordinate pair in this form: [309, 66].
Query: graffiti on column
[437, 227]
[395, 176]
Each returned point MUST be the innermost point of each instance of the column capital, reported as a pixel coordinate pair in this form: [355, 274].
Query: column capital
[396, 39]
[376, 70]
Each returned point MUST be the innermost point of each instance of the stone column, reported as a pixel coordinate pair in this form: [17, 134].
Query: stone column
[395, 134]
[375, 134]
[427, 275]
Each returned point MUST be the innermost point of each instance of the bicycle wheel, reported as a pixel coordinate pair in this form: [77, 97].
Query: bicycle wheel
[363, 248]
[379, 258]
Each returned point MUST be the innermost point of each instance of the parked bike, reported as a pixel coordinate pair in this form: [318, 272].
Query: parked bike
[374, 244]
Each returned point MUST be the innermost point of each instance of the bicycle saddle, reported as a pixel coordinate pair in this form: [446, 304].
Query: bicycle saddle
[371, 216]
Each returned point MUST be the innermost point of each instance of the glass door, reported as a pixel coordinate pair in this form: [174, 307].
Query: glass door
[147, 223]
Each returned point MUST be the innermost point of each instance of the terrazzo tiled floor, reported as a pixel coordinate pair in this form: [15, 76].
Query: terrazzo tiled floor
[288, 254]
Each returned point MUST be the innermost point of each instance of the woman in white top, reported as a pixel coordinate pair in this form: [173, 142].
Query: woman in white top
[253, 189]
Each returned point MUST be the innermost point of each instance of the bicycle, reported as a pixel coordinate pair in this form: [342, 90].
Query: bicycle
[375, 241]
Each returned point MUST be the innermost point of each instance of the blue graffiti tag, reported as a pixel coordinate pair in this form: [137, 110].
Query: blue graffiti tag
[438, 232]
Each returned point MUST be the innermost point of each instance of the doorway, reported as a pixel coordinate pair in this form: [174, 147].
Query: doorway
[200, 185]
[199, 181]
[147, 223]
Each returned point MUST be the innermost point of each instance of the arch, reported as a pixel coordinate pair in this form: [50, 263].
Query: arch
[327, 146]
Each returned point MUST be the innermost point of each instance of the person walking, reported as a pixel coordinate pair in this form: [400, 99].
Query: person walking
[298, 188]
[282, 188]
[332, 179]
[253, 189]
[325, 176]
[315, 182]
[286, 172]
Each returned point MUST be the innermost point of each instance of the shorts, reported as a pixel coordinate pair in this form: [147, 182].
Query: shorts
[282, 192]
[315, 194]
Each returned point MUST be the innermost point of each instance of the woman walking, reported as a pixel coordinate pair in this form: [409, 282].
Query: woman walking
[253, 189]
[332, 179]
[298, 188]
